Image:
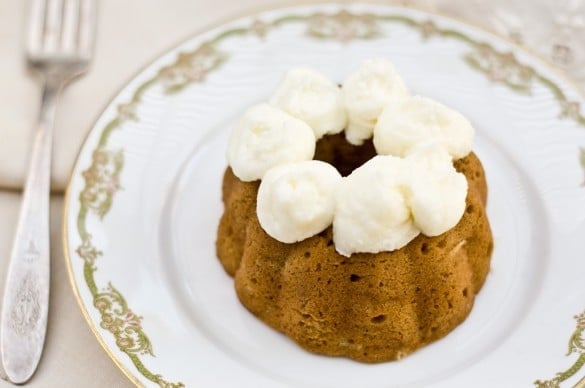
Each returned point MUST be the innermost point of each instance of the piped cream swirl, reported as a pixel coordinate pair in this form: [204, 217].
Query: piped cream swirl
[366, 92]
[411, 187]
[310, 96]
[266, 137]
[297, 200]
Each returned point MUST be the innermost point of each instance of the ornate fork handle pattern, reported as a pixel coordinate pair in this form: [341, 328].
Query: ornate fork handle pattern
[59, 47]
[26, 296]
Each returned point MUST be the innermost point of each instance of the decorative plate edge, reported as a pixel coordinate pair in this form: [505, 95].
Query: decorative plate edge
[102, 177]
[576, 346]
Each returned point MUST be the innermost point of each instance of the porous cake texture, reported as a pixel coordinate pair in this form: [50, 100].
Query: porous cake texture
[368, 307]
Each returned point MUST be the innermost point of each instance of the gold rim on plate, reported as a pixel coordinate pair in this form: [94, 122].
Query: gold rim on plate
[67, 255]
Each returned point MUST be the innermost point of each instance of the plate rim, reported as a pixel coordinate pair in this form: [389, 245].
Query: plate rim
[135, 376]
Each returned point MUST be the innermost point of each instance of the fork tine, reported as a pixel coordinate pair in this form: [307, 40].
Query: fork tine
[87, 20]
[70, 24]
[36, 25]
[52, 30]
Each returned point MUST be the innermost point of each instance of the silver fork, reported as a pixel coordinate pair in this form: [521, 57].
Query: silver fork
[59, 47]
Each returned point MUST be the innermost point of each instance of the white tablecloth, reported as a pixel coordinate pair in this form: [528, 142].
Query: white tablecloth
[132, 32]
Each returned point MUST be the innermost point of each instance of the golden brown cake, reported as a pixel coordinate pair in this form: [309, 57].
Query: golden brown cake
[369, 307]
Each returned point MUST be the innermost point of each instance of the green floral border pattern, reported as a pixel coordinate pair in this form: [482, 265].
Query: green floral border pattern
[576, 346]
[102, 177]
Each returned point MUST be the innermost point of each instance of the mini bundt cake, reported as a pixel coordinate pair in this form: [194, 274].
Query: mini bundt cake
[369, 307]
[366, 244]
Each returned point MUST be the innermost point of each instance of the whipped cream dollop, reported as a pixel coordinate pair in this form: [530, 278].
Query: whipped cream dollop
[310, 96]
[414, 120]
[411, 187]
[266, 137]
[437, 191]
[366, 92]
[373, 214]
[388, 201]
[297, 200]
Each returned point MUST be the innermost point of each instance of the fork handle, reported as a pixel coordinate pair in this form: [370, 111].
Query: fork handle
[26, 294]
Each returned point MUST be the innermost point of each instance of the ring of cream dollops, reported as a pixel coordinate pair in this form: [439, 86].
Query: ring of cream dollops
[410, 187]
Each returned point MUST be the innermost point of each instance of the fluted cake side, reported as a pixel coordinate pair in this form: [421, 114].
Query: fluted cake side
[368, 307]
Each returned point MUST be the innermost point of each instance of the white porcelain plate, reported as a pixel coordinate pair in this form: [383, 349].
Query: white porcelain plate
[144, 203]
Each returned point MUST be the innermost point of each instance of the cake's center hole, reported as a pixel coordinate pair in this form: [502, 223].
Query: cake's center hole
[345, 157]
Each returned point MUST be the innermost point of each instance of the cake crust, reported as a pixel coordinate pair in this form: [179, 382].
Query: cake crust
[368, 307]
